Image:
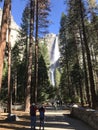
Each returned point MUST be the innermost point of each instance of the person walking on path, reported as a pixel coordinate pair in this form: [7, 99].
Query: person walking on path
[42, 115]
[33, 110]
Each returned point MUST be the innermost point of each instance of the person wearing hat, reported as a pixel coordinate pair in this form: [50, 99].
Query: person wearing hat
[33, 109]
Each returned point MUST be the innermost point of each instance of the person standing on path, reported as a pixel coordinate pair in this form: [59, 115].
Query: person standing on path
[42, 115]
[33, 110]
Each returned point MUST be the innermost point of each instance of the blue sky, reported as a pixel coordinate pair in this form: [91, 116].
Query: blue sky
[57, 7]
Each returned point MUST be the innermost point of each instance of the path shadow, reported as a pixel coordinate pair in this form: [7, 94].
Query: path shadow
[56, 122]
[22, 124]
[76, 123]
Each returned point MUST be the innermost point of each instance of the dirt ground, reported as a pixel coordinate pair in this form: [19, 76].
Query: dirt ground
[23, 121]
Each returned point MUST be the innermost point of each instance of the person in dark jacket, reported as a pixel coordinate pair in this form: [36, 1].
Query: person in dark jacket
[33, 110]
[41, 115]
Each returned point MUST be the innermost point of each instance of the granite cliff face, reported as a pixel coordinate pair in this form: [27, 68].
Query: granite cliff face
[14, 29]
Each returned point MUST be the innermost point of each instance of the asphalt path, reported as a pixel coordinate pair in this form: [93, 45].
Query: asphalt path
[60, 120]
[55, 119]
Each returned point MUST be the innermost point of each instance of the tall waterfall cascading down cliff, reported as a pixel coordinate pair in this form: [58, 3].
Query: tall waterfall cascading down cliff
[54, 59]
[52, 41]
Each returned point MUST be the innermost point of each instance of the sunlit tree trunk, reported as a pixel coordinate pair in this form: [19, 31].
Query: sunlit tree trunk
[41, 13]
[29, 73]
[36, 52]
[9, 65]
[3, 32]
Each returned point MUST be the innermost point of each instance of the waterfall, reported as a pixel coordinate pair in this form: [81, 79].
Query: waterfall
[54, 57]
[52, 77]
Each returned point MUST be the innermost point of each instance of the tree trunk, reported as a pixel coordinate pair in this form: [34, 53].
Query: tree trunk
[81, 93]
[29, 73]
[3, 32]
[91, 77]
[15, 86]
[9, 66]
[36, 53]
[85, 72]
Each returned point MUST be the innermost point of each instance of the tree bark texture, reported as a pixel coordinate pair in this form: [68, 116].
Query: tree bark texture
[3, 32]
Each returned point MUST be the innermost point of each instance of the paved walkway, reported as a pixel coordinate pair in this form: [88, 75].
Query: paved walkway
[60, 120]
[54, 120]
